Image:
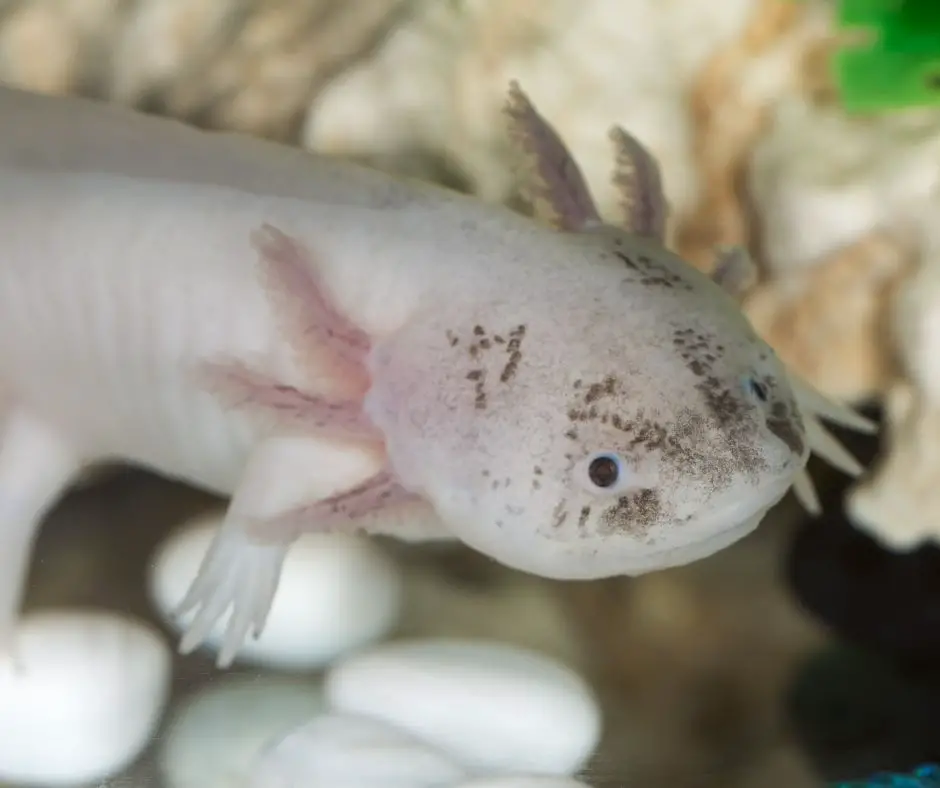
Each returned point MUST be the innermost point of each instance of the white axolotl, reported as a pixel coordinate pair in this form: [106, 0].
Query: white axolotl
[336, 348]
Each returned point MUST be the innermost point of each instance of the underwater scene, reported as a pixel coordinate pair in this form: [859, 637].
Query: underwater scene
[469, 394]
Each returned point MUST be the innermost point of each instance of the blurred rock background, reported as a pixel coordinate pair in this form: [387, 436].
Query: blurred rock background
[703, 670]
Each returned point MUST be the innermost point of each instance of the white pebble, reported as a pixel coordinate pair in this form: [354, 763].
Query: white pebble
[524, 782]
[497, 708]
[347, 751]
[215, 737]
[337, 593]
[83, 699]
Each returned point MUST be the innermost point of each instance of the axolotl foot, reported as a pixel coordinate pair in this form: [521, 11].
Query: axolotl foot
[242, 567]
[236, 574]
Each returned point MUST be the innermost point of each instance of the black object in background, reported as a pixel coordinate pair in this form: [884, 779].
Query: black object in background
[874, 703]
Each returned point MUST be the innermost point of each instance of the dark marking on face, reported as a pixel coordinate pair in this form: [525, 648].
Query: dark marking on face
[731, 413]
[592, 413]
[651, 273]
[479, 388]
[686, 445]
[724, 406]
[782, 423]
[597, 391]
[537, 472]
[572, 434]
[696, 350]
[479, 342]
[634, 514]
[583, 517]
[513, 348]
[498, 339]
[559, 515]
[452, 338]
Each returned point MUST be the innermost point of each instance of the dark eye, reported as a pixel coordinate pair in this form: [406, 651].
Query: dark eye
[604, 470]
[758, 389]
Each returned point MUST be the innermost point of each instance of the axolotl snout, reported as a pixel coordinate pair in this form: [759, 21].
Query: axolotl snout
[334, 348]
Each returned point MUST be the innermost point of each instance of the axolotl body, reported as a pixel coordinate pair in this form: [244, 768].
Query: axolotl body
[336, 348]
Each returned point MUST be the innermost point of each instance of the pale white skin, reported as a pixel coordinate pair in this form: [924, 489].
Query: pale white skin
[296, 333]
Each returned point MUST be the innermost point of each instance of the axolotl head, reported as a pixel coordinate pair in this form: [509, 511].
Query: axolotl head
[613, 416]
[593, 405]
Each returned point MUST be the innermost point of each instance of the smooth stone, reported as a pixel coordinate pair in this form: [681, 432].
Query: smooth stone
[347, 751]
[83, 698]
[216, 735]
[337, 594]
[498, 709]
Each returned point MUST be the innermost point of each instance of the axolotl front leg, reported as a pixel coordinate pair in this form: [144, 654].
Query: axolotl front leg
[272, 503]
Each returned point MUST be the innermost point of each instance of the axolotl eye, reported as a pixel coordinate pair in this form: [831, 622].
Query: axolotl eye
[756, 388]
[605, 471]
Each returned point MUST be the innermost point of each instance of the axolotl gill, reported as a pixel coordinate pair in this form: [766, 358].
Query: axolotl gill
[334, 348]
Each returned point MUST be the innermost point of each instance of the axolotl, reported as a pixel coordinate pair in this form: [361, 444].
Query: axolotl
[335, 348]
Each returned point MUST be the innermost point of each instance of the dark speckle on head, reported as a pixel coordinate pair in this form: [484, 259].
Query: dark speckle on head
[596, 391]
[682, 441]
[697, 350]
[583, 517]
[633, 514]
[724, 405]
[513, 349]
[478, 376]
[651, 272]
[782, 424]
[731, 413]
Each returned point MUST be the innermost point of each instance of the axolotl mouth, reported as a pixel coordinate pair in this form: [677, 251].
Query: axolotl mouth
[611, 555]
[580, 561]
[591, 562]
